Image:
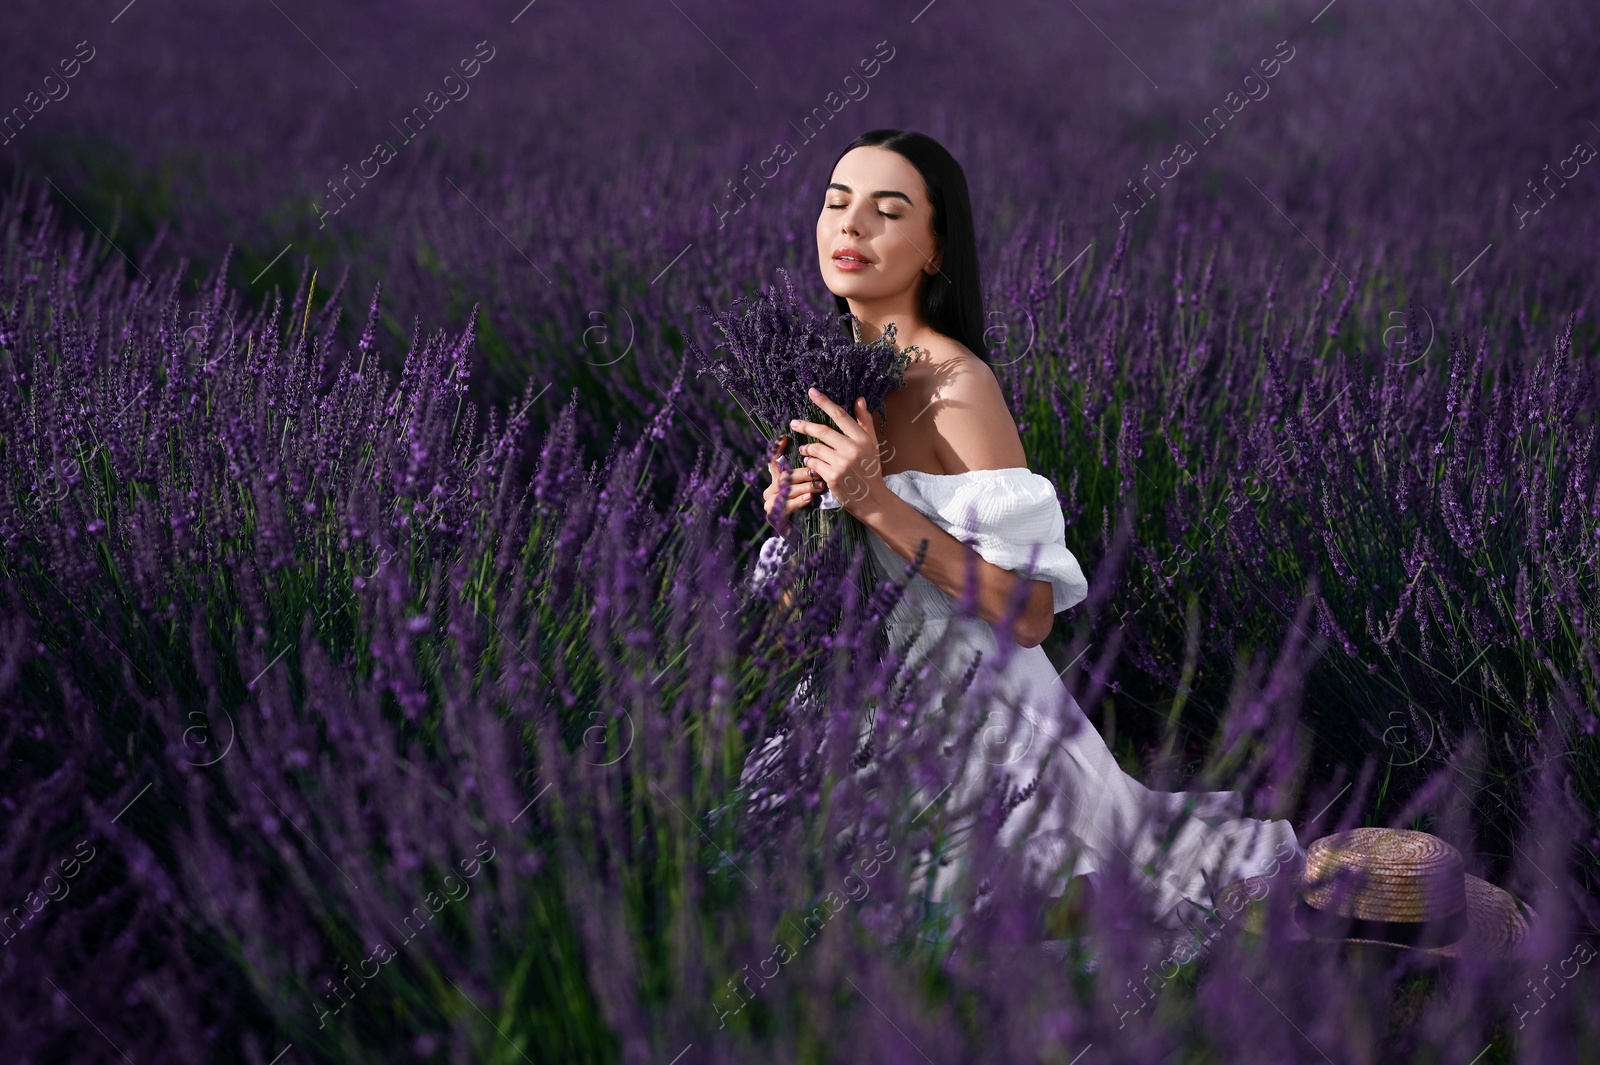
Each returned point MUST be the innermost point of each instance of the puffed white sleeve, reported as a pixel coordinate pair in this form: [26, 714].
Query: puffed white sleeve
[1013, 519]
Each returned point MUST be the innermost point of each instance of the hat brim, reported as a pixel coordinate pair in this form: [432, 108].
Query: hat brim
[1496, 928]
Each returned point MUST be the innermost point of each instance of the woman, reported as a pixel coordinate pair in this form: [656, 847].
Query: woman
[895, 243]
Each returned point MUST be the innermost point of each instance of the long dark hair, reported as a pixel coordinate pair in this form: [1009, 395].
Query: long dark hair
[951, 301]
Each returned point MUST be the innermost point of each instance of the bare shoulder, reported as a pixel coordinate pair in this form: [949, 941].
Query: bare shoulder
[949, 370]
[973, 427]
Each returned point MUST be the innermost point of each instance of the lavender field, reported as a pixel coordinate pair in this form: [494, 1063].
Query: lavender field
[379, 654]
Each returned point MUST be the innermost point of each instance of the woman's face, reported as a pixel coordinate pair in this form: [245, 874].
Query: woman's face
[877, 209]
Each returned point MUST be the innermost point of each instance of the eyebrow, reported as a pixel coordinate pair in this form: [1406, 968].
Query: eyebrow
[876, 195]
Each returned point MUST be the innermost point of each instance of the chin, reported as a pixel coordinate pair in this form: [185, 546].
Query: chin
[847, 285]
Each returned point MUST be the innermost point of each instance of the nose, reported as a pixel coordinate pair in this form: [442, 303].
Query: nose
[847, 224]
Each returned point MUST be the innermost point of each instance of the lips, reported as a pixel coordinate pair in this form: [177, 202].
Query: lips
[850, 261]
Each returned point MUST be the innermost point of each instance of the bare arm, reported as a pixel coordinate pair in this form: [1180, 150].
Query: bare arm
[903, 528]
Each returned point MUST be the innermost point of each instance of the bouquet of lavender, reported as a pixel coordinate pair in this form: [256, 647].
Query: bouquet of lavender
[774, 350]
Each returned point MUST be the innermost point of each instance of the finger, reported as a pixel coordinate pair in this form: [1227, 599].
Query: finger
[864, 418]
[843, 418]
[771, 503]
[818, 431]
[799, 498]
[802, 485]
[864, 421]
[824, 461]
[795, 480]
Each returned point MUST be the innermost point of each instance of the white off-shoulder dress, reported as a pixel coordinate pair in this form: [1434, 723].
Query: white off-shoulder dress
[1089, 809]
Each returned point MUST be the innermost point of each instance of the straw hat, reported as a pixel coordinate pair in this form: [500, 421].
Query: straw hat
[1396, 888]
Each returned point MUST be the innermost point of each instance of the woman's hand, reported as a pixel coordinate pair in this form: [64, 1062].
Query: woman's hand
[804, 487]
[847, 458]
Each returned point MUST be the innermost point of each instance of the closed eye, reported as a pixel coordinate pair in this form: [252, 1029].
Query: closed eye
[840, 207]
